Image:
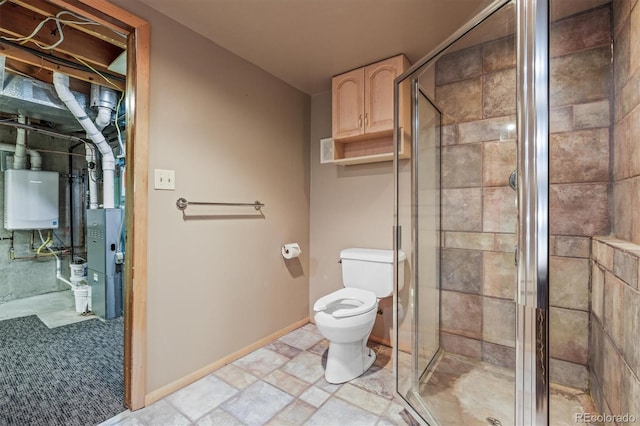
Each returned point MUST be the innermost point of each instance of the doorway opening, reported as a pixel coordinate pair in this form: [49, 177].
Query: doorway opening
[74, 101]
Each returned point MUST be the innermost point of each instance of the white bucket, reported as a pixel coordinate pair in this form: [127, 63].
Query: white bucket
[81, 294]
[77, 271]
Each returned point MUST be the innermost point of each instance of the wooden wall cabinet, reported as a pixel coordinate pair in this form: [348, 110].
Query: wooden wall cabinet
[362, 112]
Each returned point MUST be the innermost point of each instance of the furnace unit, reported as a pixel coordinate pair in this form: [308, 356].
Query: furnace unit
[103, 273]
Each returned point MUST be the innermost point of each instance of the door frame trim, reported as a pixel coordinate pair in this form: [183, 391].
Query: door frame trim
[136, 182]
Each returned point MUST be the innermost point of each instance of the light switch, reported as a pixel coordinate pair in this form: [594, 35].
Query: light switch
[165, 179]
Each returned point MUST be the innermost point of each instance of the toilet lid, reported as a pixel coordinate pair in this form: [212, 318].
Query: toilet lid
[346, 302]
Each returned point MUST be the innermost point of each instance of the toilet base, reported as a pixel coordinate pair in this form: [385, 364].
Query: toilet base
[346, 361]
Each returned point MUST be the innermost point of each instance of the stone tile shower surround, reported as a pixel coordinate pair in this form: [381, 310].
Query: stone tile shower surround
[615, 297]
[475, 90]
[478, 207]
[615, 326]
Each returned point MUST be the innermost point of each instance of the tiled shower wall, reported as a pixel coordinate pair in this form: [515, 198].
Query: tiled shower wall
[615, 302]
[580, 88]
[475, 90]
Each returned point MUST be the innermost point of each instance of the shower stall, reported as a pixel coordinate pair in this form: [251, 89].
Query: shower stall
[511, 122]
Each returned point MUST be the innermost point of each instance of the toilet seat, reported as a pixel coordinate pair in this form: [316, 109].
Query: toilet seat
[346, 302]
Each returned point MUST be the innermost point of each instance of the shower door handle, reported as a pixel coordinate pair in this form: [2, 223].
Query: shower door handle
[513, 183]
[397, 236]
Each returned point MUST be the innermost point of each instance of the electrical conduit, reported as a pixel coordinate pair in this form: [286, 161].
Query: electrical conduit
[61, 84]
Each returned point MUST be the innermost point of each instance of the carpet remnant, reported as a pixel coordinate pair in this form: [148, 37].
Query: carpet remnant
[70, 375]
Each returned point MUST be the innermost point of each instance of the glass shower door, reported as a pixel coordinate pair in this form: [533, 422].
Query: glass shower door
[419, 305]
[456, 218]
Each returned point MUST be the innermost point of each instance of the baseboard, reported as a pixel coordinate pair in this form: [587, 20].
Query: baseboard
[160, 393]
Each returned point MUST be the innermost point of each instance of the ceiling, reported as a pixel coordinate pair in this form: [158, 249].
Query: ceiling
[305, 42]
[302, 42]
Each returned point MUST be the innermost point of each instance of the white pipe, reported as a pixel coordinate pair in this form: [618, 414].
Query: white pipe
[58, 263]
[90, 156]
[103, 118]
[59, 274]
[20, 157]
[36, 158]
[106, 101]
[61, 84]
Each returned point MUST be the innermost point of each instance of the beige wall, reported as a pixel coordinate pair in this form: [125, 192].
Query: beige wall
[351, 206]
[231, 132]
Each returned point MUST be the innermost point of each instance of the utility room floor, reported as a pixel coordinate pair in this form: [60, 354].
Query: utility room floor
[53, 309]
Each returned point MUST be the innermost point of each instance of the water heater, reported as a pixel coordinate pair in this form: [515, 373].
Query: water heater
[30, 199]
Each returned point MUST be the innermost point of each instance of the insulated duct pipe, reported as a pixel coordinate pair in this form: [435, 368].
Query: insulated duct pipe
[61, 84]
[36, 159]
[106, 101]
[20, 157]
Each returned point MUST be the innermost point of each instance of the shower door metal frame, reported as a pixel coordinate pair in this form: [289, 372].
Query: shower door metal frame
[532, 298]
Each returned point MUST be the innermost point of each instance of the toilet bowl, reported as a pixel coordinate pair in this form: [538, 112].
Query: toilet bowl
[346, 316]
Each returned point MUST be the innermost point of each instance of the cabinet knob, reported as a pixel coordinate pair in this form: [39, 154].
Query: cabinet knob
[360, 121]
[366, 120]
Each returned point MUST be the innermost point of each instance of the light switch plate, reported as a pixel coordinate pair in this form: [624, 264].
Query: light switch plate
[165, 179]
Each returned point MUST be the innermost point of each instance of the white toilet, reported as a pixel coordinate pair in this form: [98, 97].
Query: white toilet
[346, 316]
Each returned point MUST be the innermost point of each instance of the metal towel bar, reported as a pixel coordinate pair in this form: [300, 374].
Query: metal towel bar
[182, 204]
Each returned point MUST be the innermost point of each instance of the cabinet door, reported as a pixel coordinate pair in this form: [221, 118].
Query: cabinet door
[348, 104]
[378, 96]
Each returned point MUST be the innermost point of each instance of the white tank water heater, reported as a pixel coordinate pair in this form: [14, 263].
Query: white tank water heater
[30, 199]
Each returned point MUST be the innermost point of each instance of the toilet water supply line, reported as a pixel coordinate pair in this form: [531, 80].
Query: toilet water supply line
[61, 84]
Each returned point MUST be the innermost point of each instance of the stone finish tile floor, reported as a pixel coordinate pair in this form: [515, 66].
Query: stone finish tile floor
[281, 383]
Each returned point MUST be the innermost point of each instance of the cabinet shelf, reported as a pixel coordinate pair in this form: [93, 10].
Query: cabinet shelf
[358, 151]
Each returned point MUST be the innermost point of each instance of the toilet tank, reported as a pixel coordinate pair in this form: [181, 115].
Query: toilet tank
[369, 269]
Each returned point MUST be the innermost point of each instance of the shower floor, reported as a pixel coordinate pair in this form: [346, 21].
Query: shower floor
[461, 390]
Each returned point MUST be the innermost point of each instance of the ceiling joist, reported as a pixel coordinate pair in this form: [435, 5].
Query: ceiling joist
[19, 23]
[85, 52]
[47, 9]
[43, 69]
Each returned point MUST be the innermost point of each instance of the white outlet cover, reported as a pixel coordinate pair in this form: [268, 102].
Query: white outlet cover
[164, 179]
